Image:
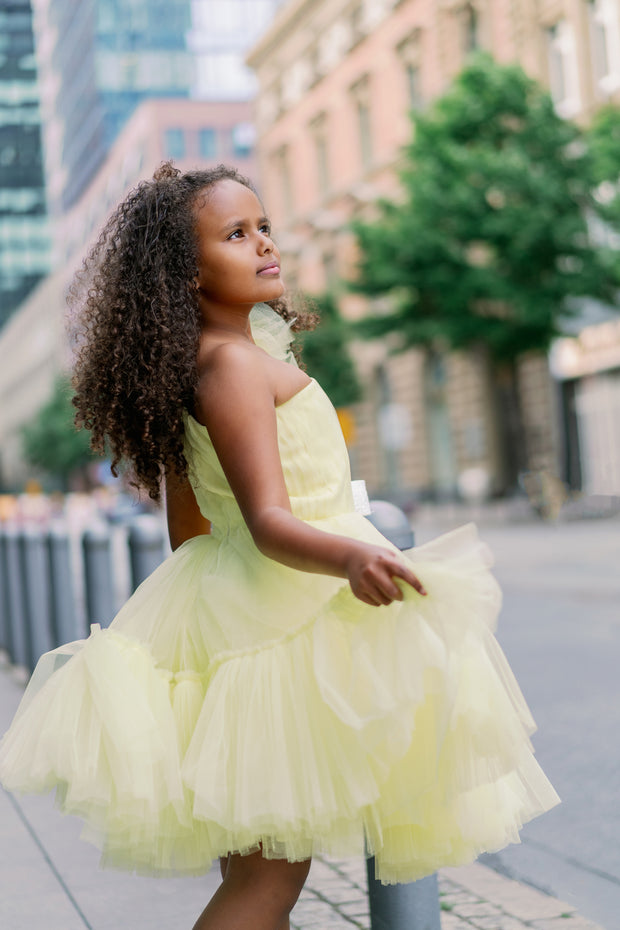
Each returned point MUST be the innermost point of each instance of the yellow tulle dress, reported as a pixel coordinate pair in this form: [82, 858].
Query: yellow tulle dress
[235, 703]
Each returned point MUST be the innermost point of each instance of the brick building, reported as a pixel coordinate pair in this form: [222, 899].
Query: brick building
[337, 80]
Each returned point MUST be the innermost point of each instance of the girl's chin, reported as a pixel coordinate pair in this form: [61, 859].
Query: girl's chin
[276, 289]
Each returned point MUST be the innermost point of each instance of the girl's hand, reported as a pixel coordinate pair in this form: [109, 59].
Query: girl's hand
[371, 571]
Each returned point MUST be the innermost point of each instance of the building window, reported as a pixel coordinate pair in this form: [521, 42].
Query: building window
[174, 143]
[563, 71]
[356, 24]
[414, 88]
[363, 118]
[322, 163]
[409, 53]
[330, 268]
[243, 139]
[286, 186]
[207, 143]
[361, 97]
[318, 128]
[471, 28]
[315, 65]
[605, 44]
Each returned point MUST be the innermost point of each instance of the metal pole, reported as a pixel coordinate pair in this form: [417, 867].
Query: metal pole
[415, 905]
[146, 547]
[64, 614]
[20, 646]
[5, 626]
[98, 574]
[36, 592]
[392, 523]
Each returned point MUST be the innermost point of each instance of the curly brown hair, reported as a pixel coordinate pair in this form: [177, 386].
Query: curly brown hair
[136, 325]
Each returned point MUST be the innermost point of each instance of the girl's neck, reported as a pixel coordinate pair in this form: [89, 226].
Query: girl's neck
[227, 322]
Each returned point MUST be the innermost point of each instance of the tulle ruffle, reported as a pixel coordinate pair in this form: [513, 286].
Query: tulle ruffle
[402, 727]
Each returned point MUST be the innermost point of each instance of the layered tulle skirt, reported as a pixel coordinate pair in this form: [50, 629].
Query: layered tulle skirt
[235, 704]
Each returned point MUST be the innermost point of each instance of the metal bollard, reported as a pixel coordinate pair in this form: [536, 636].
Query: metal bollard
[146, 547]
[415, 905]
[19, 643]
[392, 523]
[35, 578]
[98, 574]
[64, 615]
[5, 626]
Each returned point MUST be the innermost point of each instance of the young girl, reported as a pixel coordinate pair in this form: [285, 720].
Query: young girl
[286, 683]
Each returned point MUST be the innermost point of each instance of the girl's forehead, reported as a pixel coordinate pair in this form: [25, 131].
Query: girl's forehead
[228, 198]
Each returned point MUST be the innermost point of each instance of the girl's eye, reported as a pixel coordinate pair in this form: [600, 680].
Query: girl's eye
[266, 229]
[236, 234]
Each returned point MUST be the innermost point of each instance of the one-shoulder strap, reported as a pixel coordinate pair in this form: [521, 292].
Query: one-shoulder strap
[272, 333]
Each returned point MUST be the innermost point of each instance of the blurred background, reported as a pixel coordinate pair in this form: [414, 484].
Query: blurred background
[442, 177]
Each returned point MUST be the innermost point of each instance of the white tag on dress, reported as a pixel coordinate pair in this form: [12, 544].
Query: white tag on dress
[360, 497]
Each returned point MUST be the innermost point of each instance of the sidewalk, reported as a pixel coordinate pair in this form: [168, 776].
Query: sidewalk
[49, 877]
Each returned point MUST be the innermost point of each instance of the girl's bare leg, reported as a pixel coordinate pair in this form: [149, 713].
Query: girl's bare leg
[256, 894]
[224, 860]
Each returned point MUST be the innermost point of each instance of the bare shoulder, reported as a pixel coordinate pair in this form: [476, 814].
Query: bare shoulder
[233, 374]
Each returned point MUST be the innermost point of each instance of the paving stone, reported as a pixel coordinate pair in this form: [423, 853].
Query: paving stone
[498, 922]
[458, 898]
[477, 909]
[453, 922]
[566, 923]
[446, 886]
[318, 915]
[516, 899]
[51, 909]
[359, 910]
[354, 870]
[344, 894]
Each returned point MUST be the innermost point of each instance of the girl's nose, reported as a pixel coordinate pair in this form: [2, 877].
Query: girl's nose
[266, 243]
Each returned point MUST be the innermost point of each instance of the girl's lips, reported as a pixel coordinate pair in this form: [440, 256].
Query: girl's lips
[270, 270]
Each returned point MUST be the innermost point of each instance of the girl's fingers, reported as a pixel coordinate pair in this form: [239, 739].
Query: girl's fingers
[407, 575]
[389, 590]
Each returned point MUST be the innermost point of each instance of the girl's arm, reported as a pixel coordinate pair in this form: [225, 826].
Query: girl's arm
[236, 404]
[184, 517]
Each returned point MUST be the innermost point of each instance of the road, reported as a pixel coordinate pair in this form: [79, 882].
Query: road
[560, 628]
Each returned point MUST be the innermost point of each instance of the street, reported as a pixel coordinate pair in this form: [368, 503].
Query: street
[560, 628]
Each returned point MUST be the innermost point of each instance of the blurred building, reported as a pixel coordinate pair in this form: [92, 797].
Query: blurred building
[99, 59]
[123, 86]
[587, 367]
[337, 80]
[24, 233]
[194, 133]
[33, 344]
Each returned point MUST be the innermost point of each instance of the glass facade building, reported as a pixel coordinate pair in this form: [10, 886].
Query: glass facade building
[222, 32]
[24, 233]
[100, 59]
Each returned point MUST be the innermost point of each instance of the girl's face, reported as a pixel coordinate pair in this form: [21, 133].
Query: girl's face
[238, 263]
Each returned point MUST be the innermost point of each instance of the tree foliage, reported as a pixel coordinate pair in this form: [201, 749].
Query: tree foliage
[326, 357]
[51, 442]
[491, 236]
[603, 139]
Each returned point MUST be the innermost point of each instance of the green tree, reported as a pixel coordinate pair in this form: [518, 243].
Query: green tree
[326, 356]
[491, 236]
[603, 139]
[52, 443]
